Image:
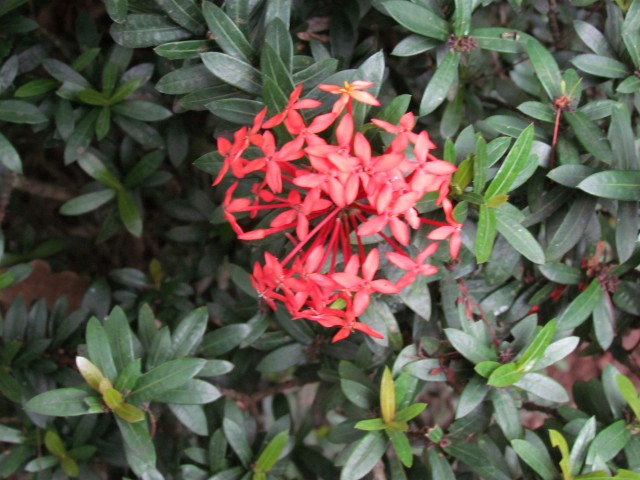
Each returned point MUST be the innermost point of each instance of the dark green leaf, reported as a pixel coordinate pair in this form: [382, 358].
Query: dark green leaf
[36, 87]
[99, 349]
[413, 45]
[235, 110]
[538, 110]
[519, 237]
[572, 228]
[9, 156]
[364, 456]
[545, 67]
[600, 66]
[418, 19]
[570, 175]
[141, 132]
[469, 346]
[142, 110]
[192, 392]
[147, 30]
[498, 39]
[535, 351]
[506, 413]
[224, 339]
[117, 9]
[63, 402]
[402, 447]
[589, 135]
[444, 77]
[581, 307]
[233, 71]
[19, 111]
[614, 184]
[516, 161]
[486, 233]
[185, 49]
[187, 79]
[80, 139]
[561, 273]
[169, 375]
[604, 322]
[226, 33]
[593, 39]
[185, 13]
[138, 447]
[473, 394]
[129, 212]
[537, 458]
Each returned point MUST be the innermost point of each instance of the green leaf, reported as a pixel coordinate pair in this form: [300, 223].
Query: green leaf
[600, 66]
[628, 391]
[187, 336]
[364, 456]
[19, 111]
[561, 273]
[233, 71]
[142, 110]
[315, 73]
[504, 375]
[282, 358]
[227, 34]
[36, 87]
[9, 156]
[418, 19]
[147, 30]
[146, 167]
[622, 139]
[572, 228]
[604, 322]
[469, 346]
[557, 440]
[103, 123]
[371, 424]
[589, 135]
[535, 351]
[185, 49]
[387, 397]
[402, 447]
[545, 67]
[613, 184]
[117, 9]
[410, 412]
[187, 79]
[608, 442]
[80, 138]
[63, 402]
[235, 433]
[279, 39]
[235, 110]
[92, 97]
[535, 457]
[141, 132]
[444, 77]
[99, 349]
[273, 68]
[129, 213]
[519, 237]
[515, 162]
[10, 435]
[538, 110]
[124, 90]
[192, 392]
[486, 233]
[224, 339]
[581, 307]
[138, 446]
[570, 175]
[506, 414]
[580, 445]
[593, 38]
[185, 13]
[169, 375]
[414, 45]
[462, 17]
[271, 453]
[121, 339]
[87, 202]
[631, 84]
[473, 394]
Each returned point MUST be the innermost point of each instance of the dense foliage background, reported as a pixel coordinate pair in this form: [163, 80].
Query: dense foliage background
[132, 340]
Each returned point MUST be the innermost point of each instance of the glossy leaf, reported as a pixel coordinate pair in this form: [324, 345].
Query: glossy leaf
[364, 456]
[147, 30]
[444, 77]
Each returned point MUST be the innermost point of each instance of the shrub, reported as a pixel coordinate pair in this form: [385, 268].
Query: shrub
[418, 258]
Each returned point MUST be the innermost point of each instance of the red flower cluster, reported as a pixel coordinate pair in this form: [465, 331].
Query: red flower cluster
[331, 194]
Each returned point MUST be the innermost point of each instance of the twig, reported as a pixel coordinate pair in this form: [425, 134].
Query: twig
[553, 23]
[41, 189]
[249, 401]
[7, 183]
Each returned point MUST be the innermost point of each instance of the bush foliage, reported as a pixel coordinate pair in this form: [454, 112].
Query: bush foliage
[152, 327]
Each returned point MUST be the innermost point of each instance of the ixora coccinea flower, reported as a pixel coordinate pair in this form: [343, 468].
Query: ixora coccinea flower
[327, 191]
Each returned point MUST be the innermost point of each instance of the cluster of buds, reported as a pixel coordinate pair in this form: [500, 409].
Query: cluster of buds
[329, 195]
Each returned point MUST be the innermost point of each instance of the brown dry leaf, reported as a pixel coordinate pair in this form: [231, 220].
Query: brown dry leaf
[42, 283]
